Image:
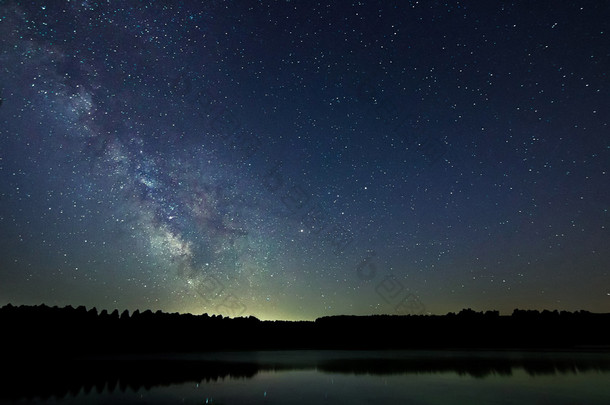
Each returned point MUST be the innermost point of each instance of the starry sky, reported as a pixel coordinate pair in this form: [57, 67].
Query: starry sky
[296, 159]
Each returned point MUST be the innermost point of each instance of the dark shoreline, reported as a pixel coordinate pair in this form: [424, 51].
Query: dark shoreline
[43, 331]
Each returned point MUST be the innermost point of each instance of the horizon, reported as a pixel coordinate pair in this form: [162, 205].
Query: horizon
[291, 161]
[140, 311]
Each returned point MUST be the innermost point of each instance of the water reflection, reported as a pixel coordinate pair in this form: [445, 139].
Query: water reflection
[478, 366]
[52, 379]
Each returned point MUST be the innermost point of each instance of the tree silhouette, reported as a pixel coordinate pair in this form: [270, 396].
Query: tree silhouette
[52, 331]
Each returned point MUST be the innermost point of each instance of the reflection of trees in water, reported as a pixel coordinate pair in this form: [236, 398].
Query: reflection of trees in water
[40, 339]
[60, 380]
[473, 366]
[89, 377]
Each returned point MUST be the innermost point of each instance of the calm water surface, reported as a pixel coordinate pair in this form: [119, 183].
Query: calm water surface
[316, 377]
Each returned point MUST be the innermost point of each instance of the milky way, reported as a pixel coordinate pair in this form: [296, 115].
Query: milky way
[290, 160]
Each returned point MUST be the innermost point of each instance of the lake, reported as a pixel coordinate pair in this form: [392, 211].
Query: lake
[320, 377]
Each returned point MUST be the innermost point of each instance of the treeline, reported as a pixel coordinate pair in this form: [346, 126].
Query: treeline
[43, 331]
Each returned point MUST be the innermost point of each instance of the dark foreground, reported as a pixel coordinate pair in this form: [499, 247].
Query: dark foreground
[320, 376]
[74, 355]
[42, 331]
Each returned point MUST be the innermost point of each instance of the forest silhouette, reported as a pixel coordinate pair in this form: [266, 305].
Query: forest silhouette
[51, 331]
[59, 352]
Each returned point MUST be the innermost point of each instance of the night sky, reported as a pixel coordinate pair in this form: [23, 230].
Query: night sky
[294, 159]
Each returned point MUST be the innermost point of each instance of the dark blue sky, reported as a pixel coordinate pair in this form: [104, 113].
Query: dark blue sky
[292, 159]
